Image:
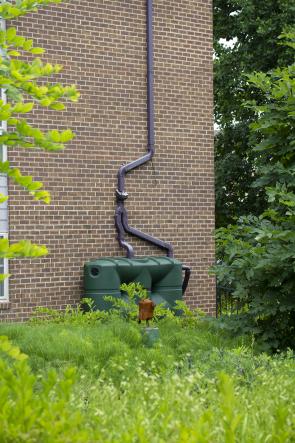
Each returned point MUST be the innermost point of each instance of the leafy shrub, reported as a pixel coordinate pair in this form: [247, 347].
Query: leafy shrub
[125, 308]
[83, 313]
[257, 255]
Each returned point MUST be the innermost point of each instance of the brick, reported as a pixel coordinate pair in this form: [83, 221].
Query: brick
[102, 48]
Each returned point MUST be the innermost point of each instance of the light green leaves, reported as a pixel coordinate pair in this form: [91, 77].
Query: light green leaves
[27, 182]
[27, 87]
[26, 136]
[60, 137]
[9, 40]
[22, 108]
[3, 198]
[288, 39]
[13, 352]
[9, 10]
[20, 79]
[23, 248]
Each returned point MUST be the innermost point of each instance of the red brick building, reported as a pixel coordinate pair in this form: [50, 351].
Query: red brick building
[102, 46]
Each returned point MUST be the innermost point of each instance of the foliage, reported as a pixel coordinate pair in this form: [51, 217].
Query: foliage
[196, 385]
[24, 79]
[127, 306]
[16, 8]
[33, 410]
[83, 313]
[250, 28]
[258, 254]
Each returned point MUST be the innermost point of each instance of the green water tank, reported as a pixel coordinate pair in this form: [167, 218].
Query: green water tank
[161, 276]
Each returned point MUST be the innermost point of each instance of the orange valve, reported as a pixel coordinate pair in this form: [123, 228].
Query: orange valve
[146, 310]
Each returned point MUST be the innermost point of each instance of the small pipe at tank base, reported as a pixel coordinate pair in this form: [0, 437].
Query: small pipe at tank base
[187, 274]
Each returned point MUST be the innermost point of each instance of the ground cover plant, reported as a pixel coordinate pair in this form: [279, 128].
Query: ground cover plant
[94, 379]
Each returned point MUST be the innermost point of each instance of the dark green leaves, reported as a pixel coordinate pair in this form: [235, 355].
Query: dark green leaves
[251, 29]
[257, 255]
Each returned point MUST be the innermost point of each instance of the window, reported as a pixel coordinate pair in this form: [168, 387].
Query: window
[3, 270]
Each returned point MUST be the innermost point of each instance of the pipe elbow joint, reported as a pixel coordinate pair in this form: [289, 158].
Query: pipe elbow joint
[151, 150]
[122, 170]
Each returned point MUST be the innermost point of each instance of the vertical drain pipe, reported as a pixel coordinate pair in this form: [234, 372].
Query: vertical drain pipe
[150, 79]
[121, 215]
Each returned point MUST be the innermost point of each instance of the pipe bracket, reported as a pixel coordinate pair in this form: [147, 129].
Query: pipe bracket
[121, 195]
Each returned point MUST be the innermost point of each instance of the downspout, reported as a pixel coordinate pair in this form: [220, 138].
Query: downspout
[121, 215]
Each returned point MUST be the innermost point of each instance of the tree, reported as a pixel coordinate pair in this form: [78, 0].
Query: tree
[258, 253]
[251, 28]
[20, 79]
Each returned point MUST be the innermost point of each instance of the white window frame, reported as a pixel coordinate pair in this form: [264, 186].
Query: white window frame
[5, 282]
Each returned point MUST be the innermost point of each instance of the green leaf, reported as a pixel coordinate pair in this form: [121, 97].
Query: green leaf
[23, 107]
[37, 51]
[3, 198]
[57, 106]
[55, 136]
[14, 53]
[66, 136]
[10, 33]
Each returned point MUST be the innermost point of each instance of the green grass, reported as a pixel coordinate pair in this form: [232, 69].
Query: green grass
[100, 347]
[195, 385]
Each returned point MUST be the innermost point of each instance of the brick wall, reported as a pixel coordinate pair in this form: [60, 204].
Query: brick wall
[102, 46]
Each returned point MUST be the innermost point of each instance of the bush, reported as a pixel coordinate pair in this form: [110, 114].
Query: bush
[257, 255]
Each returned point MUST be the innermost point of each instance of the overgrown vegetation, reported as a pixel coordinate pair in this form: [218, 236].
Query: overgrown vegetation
[89, 377]
[195, 385]
[125, 307]
[258, 254]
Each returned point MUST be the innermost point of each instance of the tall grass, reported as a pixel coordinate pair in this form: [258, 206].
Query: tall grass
[195, 385]
[99, 346]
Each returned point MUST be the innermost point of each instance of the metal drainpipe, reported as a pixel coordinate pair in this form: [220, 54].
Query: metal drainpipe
[121, 215]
